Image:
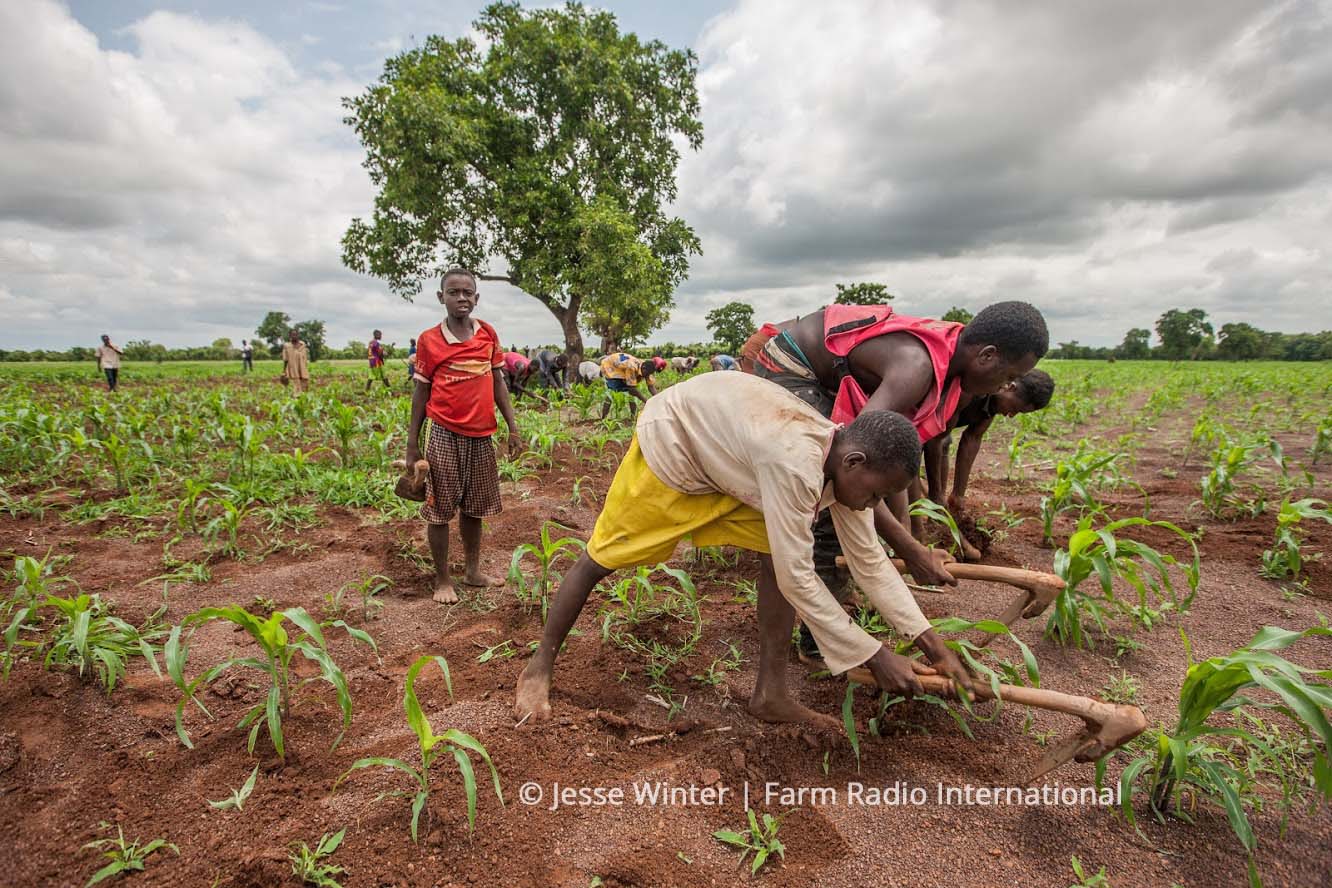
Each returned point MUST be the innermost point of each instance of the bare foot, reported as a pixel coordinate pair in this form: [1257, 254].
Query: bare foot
[780, 710]
[533, 698]
[444, 591]
[476, 578]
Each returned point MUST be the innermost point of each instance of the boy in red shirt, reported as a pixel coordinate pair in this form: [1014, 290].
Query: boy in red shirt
[459, 381]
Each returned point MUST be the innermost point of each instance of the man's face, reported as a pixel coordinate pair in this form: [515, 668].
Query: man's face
[561, 361]
[857, 486]
[1008, 401]
[294, 336]
[458, 295]
[988, 372]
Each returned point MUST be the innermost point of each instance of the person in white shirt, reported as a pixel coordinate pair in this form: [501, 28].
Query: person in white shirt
[108, 361]
[743, 462]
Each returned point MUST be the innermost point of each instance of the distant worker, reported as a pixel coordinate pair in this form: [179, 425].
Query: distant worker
[375, 353]
[295, 363]
[247, 356]
[724, 362]
[622, 372]
[551, 368]
[517, 368]
[108, 361]
[588, 371]
[684, 364]
[411, 360]
[659, 363]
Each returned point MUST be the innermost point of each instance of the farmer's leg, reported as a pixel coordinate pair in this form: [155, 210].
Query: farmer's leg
[470, 528]
[533, 697]
[438, 537]
[771, 701]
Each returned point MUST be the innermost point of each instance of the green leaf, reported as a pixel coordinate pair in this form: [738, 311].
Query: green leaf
[274, 713]
[469, 784]
[418, 805]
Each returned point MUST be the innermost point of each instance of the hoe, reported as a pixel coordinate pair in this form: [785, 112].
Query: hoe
[1107, 726]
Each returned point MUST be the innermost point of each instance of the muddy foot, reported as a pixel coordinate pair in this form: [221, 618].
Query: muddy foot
[444, 592]
[784, 710]
[532, 701]
[479, 579]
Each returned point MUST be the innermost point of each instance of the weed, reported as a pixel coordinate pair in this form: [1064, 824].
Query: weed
[1085, 881]
[762, 842]
[306, 864]
[125, 857]
[367, 591]
[1121, 688]
[238, 797]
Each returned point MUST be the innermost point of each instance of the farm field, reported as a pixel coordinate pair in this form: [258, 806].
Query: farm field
[194, 488]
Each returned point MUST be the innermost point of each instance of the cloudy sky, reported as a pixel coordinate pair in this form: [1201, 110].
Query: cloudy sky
[172, 171]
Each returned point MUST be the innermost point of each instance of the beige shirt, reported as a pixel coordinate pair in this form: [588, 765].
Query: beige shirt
[107, 357]
[295, 361]
[751, 439]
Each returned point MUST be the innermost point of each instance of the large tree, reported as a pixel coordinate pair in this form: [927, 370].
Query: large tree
[958, 314]
[863, 293]
[1184, 334]
[1243, 342]
[274, 329]
[547, 150]
[731, 324]
[1135, 344]
[312, 334]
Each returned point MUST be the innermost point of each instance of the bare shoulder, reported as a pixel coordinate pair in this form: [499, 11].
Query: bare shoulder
[897, 356]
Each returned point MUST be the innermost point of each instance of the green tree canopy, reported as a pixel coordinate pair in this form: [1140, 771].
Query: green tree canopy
[274, 329]
[1244, 342]
[863, 293]
[551, 149]
[1184, 334]
[1135, 344]
[731, 324]
[958, 314]
[312, 334]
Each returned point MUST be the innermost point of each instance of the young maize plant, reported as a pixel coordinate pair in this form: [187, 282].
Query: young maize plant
[87, 637]
[1075, 480]
[547, 554]
[279, 649]
[1100, 551]
[1285, 560]
[1219, 496]
[928, 508]
[432, 745]
[1185, 760]
[637, 600]
[1322, 443]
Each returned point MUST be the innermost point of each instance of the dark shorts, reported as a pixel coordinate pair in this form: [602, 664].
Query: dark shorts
[464, 477]
[617, 385]
[806, 390]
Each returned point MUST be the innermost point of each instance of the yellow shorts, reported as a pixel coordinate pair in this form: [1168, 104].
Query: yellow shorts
[643, 520]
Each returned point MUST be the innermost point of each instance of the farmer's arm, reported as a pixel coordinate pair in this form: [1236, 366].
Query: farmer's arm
[967, 451]
[925, 565]
[883, 585]
[420, 397]
[788, 508]
[505, 407]
[934, 457]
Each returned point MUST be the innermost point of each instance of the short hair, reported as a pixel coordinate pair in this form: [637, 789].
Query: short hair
[457, 269]
[1036, 388]
[647, 366]
[887, 439]
[1015, 328]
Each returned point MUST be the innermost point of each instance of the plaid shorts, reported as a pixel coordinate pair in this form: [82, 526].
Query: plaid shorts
[463, 477]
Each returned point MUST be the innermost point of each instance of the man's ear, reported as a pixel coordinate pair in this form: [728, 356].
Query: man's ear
[988, 356]
[853, 459]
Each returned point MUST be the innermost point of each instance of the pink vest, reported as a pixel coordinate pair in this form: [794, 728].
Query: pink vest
[514, 362]
[846, 326]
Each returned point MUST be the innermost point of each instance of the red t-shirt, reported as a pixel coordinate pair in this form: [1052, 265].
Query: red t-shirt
[460, 374]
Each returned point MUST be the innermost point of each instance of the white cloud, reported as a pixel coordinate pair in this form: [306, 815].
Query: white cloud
[1092, 159]
[181, 191]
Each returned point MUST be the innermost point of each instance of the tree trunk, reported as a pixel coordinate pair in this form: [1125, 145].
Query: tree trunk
[573, 338]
